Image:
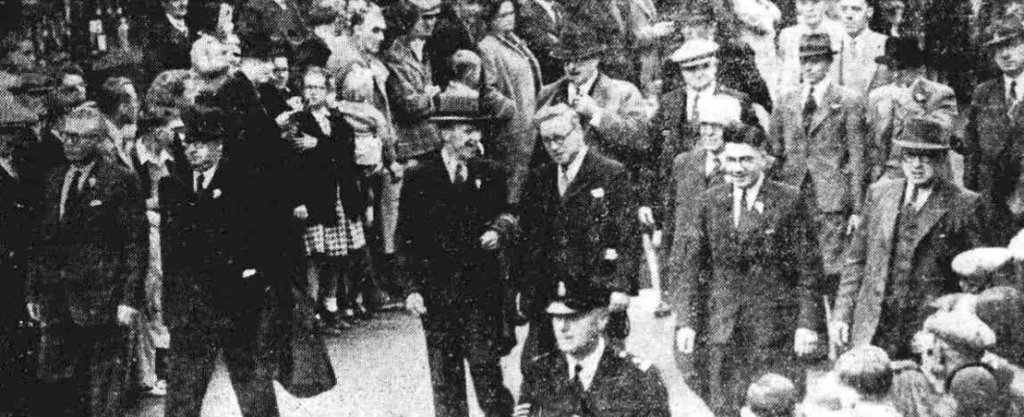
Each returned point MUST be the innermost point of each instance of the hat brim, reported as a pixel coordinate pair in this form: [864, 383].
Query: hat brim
[558, 308]
[682, 63]
[574, 55]
[1003, 40]
[460, 119]
[920, 146]
[816, 54]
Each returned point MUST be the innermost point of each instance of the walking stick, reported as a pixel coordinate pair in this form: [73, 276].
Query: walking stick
[833, 352]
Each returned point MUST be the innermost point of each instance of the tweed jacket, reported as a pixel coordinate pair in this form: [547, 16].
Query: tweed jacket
[621, 132]
[673, 135]
[949, 223]
[687, 180]
[993, 145]
[889, 107]
[833, 151]
[94, 258]
[410, 106]
[582, 235]
[789, 51]
[540, 32]
[769, 264]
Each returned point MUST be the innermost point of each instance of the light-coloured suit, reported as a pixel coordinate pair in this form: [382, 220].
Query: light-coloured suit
[889, 107]
[947, 224]
[859, 60]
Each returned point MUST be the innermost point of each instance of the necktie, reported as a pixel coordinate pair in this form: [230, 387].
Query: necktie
[809, 108]
[576, 381]
[740, 207]
[460, 174]
[1011, 93]
[695, 113]
[73, 191]
[200, 183]
[563, 180]
[914, 194]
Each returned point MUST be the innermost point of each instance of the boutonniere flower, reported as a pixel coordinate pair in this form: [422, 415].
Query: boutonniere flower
[759, 206]
[95, 203]
[92, 181]
[919, 97]
[478, 183]
[597, 193]
[611, 254]
[217, 193]
[836, 106]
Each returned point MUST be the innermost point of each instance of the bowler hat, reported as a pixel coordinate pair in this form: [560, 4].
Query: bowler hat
[815, 45]
[577, 297]
[577, 43]
[923, 134]
[263, 46]
[459, 106]
[975, 390]
[695, 53]
[1005, 30]
[902, 53]
[204, 124]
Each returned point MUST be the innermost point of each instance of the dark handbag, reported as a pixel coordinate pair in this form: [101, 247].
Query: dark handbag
[304, 367]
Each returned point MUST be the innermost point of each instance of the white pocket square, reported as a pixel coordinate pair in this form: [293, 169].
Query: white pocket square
[95, 203]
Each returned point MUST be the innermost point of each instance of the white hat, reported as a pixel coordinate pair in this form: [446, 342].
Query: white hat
[1016, 246]
[961, 329]
[981, 261]
[695, 52]
[719, 109]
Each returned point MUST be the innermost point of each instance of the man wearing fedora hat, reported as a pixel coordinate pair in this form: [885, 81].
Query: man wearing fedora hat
[812, 19]
[995, 124]
[817, 133]
[614, 113]
[216, 284]
[588, 376]
[899, 259]
[455, 224]
[908, 95]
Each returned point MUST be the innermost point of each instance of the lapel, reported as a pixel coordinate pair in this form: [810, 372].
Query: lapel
[605, 372]
[887, 210]
[599, 91]
[584, 178]
[939, 202]
[829, 106]
[754, 221]
[408, 57]
[515, 43]
[555, 93]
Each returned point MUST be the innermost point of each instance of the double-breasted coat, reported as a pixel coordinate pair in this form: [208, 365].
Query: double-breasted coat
[950, 222]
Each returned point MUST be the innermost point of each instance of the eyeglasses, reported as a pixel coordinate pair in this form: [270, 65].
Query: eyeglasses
[72, 137]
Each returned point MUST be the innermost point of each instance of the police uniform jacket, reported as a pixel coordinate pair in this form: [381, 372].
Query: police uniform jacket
[622, 386]
[950, 222]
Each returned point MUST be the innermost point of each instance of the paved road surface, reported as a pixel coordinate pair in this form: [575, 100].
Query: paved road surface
[382, 371]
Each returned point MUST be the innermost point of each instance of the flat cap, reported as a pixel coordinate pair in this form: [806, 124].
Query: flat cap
[975, 390]
[719, 109]
[981, 261]
[427, 6]
[772, 395]
[694, 53]
[960, 329]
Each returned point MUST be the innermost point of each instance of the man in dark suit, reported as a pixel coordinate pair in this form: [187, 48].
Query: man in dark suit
[454, 222]
[575, 214]
[675, 126]
[215, 293]
[751, 251]
[279, 21]
[167, 41]
[995, 125]
[899, 261]
[537, 23]
[692, 173]
[588, 376]
[86, 273]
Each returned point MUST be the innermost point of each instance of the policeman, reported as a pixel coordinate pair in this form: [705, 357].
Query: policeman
[588, 377]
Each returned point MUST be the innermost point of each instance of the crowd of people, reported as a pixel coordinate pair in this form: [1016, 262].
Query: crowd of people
[808, 183]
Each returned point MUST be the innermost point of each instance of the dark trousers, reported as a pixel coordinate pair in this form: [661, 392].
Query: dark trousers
[83, 371]
[453, 341]
[759, 345]
[193, 356]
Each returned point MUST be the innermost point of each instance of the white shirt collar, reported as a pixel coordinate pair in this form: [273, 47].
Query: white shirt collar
[589, 363]
[583, 89]
[177, 23]
[85, 170]
[451, 163]
[207, 175]
[709, 163]
[1007, 80]
[819, 90]
[7, 164]
[282, 3]
[922, 195]
[417, 44]
[574, 166]
[549, 8]
[692, 92]
[752, 192]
